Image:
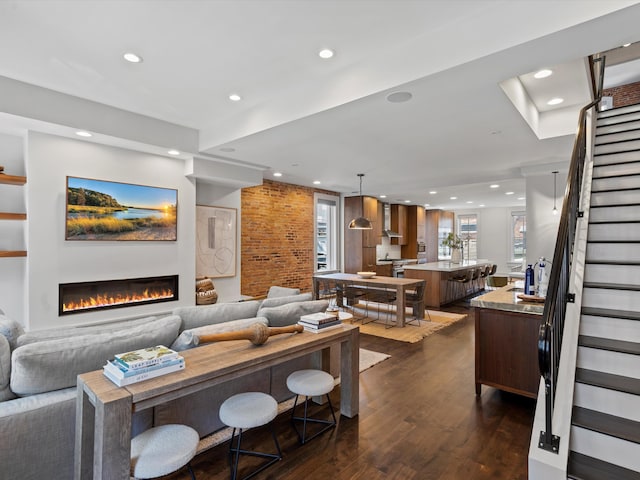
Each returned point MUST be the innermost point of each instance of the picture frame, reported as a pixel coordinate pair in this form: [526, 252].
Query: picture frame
[216, 239]
[114, 211]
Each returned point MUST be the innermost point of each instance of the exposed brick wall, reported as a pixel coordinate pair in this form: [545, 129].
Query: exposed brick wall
[624, 94]
[277, 237]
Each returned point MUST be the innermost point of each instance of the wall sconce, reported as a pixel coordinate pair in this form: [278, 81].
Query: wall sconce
[555, 175]
[360, 223]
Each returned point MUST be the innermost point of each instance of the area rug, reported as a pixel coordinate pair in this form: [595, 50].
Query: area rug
[368, 359]
[411, 332]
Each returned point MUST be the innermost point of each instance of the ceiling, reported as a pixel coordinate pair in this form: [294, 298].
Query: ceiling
[328, 120]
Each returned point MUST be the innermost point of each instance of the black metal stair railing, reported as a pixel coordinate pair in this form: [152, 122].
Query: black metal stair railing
[558, 295]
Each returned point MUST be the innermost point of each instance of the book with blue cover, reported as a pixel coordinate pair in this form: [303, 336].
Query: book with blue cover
[146, 357]
[139, 377]
[121, 371]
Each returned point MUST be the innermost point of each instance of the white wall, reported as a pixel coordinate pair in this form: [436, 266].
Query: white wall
[53, 260]
[493, 234]
[542, 224]
[228, 288]
[12, 232]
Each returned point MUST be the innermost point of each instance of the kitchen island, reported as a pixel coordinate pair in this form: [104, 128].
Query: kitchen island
[442, 288]
[506, 341]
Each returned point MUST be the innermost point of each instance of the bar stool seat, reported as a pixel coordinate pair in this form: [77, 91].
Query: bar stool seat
[249, 410]
[310, 383]
[163, 450]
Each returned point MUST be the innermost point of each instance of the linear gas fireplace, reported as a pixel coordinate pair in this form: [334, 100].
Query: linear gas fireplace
[83, 297]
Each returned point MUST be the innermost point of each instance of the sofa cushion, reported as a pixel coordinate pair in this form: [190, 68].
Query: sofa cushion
[276, 291]
[189, 338]
[55, 364]
[277, 301]
[53, 333]
[5, 370]
[199, 316]
[290, 313]
[11, 330]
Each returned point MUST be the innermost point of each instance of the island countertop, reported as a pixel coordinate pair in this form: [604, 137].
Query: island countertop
[447, 266]
[506, 299]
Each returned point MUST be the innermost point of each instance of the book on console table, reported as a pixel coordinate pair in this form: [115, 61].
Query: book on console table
[320, 328]
[121, 371]
[110, 369]
[146, 357]
[318, 318]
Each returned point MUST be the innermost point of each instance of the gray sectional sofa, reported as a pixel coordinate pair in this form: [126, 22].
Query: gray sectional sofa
[38, 372]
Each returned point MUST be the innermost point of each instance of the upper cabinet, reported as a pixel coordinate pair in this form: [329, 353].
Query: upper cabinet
[399, 223]
[360, 245]
[414, 232]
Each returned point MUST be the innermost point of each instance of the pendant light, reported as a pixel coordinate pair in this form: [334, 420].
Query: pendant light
[360, 223]
[555, 175]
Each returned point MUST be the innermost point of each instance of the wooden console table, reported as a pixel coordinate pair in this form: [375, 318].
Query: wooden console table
[104, 411]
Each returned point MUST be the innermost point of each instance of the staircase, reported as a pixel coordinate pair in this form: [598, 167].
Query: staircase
[605, 425]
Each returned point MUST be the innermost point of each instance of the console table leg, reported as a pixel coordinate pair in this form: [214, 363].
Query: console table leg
[349, 375]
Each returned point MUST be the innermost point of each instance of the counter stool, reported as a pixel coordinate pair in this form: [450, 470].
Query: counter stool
[310, 383]
[248, 410]
[162, 450]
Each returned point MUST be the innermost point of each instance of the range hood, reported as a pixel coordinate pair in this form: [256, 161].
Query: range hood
[387, 223]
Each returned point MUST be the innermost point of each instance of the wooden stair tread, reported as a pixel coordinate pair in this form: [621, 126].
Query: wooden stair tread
[608, 380]
[612, 286]
[611, 425]
[612, 345]
[607, 312]
[583, 467]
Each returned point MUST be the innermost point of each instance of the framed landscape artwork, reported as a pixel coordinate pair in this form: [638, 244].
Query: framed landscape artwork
[215, 241]
[104, 210]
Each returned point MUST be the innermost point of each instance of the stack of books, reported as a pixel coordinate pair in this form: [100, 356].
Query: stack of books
[319, 322]
[138, 365]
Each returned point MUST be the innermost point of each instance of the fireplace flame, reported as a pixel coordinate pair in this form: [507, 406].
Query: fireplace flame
[107, 300]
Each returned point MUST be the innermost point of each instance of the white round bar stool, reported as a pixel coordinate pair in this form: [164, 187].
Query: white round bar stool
[163, 450]
[310, 383]
[249, 410]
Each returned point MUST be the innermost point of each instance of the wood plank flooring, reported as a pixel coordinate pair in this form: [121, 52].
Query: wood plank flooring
[419, 419]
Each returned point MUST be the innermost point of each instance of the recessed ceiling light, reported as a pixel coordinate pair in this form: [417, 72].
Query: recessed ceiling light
[469, 201]
[407, 201]
[509, 193]
[544, 73]
[277, 174]
[132, 57]
[234, 97]
[325, 53]
[173, 152]
[316, 182]
[83, 133]
[453, 198]
[481, 205]
[427, 205]
[383, 196]
[495, 185]
[432, 192]
[626, 45]
[399, 97]
[521, 198]
[555, 101]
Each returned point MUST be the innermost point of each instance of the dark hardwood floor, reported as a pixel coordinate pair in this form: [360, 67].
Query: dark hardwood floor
[419, 419]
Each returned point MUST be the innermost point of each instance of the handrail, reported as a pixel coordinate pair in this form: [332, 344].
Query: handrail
[552, 326]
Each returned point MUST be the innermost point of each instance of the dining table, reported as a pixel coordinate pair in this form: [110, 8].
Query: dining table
[399, 284]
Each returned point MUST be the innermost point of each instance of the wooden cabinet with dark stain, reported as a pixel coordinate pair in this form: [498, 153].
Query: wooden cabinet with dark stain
[360, 245]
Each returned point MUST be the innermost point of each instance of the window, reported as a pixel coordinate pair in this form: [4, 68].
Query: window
[468, 232]
[518, 236]
[326, 232]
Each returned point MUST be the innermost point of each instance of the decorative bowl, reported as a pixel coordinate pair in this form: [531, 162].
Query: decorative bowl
[366, 274]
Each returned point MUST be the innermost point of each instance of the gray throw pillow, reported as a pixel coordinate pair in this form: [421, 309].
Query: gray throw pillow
[5, 370]
[190, 338]
[199, 316]
[11, 330]
[290, 313]
[276, 291]
[277, 301]
[54, 364]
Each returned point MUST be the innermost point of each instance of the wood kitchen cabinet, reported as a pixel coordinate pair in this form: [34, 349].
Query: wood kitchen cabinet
[360, 245]
[399, 223]
[437, 224]
[415, 231]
